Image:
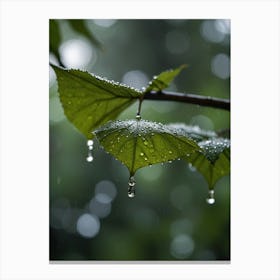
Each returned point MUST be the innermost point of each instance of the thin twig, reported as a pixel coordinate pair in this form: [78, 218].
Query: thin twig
[189, 98]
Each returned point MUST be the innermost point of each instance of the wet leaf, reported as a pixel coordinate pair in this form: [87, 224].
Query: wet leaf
[213, 161]
[139, 143]
[164, 79]
[89, 100]
[193, 132]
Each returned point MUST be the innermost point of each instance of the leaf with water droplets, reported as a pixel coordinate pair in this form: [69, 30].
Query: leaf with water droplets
[89, 100]
[164, 79]
[139, 143]
[194, 132]
[213, 160]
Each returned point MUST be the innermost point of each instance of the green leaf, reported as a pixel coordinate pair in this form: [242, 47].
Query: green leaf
[139, 143]
[89, 100]
[193, 132]
[164, 79]
[79, 25]
[213, 161]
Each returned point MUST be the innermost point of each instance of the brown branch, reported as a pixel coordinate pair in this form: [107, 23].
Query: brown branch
[189, 98]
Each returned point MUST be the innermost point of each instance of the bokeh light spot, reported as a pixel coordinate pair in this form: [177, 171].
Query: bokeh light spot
[99, 206]
[223, 25]
[136, 79]
[210, 33]
[88, 225]
[182, 246]
[107, 188]
[220, 66]
[77, 53]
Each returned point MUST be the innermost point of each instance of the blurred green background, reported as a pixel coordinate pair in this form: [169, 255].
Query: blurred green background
[91, 217]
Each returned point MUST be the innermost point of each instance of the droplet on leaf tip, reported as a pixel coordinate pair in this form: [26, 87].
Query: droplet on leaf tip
[211, 197]
[131, 187]
[192, 168]
[131, 181]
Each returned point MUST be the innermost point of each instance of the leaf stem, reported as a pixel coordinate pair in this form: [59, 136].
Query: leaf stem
[188, 98]
[138, 115]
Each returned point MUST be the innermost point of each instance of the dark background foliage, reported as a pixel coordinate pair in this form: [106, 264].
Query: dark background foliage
[91, 217]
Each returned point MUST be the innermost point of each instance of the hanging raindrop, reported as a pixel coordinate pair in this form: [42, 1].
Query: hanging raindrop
[210, 199]
[192, 168]
[90, 148]
[89, 157]
[131, 187]
[138, 117]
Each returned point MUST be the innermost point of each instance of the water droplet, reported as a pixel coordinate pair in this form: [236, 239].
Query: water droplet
[141, 154]
[90, 148]
[211, 199]
[170, 152]
[192, 168]
[145, 143]
[90, 142]
[138, 117]
[90, 158]
[131, 187]
[145, 159]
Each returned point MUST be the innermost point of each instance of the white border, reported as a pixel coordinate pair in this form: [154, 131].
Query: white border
[255, 138]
